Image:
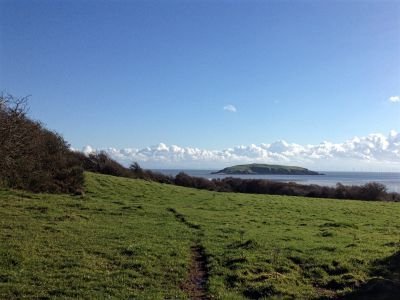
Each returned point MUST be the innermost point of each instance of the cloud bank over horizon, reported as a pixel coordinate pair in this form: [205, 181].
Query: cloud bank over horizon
[374, 152]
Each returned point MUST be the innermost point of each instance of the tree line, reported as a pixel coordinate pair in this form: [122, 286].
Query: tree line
[40, 160]
[102, 163]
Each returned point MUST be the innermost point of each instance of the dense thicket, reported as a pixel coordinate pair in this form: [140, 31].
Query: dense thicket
[102, 163]
[33, 157]
[369, 191]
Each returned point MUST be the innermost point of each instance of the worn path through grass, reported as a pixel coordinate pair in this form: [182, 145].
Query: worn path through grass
[195, 286]
[140, 240]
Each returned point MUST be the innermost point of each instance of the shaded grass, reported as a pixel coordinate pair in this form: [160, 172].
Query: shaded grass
[132, 239]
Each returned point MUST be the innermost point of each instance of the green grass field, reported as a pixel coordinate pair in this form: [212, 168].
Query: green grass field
[132, 239]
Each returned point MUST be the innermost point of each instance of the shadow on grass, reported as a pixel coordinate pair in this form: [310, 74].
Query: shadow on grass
[385, 286]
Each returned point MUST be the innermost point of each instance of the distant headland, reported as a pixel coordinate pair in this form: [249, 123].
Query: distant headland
[264, 169]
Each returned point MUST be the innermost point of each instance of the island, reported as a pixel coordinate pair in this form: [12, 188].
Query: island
[265, 169]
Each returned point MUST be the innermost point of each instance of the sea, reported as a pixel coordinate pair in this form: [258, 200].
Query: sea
[390, 179]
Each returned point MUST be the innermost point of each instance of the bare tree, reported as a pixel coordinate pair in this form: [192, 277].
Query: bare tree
[13, 131]
[31, 156]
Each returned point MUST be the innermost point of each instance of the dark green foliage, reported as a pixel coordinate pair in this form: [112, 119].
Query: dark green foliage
[266, 169]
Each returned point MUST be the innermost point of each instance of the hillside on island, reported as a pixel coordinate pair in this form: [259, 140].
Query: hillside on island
[263, 169]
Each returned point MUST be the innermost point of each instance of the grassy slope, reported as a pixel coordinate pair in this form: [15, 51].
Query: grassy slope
[126, 238]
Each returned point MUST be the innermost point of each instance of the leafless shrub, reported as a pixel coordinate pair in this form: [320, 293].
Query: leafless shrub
[32, 157]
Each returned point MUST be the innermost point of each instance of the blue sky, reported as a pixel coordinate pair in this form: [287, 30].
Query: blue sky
[137, 73]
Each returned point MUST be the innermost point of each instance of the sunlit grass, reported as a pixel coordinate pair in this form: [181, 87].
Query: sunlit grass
[125, 238]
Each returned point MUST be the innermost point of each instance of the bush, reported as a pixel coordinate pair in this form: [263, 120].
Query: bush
[184, 179]
[31, 156]
[373, 191]
[102, 163]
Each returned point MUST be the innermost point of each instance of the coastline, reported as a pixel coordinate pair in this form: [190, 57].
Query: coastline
[390, 179]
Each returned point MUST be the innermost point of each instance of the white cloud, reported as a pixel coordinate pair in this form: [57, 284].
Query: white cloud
[394, 99]
[230, 108]
[88, 149]
[374, 152]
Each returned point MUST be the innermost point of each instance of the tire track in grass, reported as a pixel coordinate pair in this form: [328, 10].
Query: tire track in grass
[195, 285]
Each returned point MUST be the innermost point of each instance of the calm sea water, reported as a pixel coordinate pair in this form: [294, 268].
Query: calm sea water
[391, 180]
